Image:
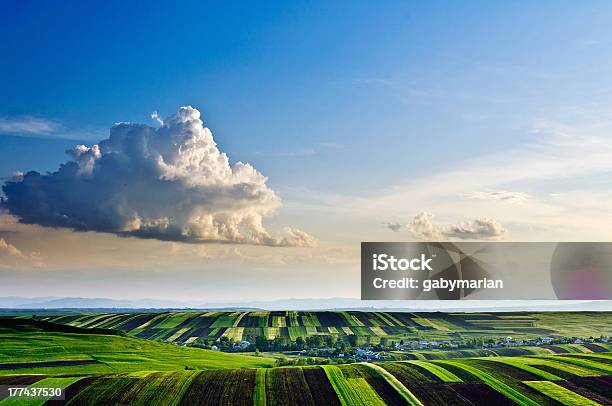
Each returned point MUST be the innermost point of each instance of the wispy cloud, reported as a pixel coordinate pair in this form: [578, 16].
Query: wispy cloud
[554, 186]
[28, 125]
[498, 195]
[32, 126]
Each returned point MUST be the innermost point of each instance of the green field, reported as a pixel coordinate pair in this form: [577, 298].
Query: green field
[477, 381]
[30, 343]
[101, 366]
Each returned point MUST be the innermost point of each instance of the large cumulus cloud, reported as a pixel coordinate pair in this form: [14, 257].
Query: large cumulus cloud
[169, 183]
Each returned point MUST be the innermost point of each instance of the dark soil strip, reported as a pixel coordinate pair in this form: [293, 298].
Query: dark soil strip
[595, 347]
[556, 349]
[136, 321]
[585, 392]
[287, 386]
[148, 333]
[480, 394]
[365, 318]
[17, 380]
[332, 319]
[223, 387]
[185, 336]
[321, 389]
[107, 390]
[48, 364]
[96, 320]
[435, 394]
[422, 384]
[554, 371]
[202, 321]
[249, 321]
[381, 386]
[497, 368]
[404, 318]
[20, 379]
[601, 385]
[71, 391]
[206, 388]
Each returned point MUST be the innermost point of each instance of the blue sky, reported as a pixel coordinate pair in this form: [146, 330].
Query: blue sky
[351, 109]
[291, 78]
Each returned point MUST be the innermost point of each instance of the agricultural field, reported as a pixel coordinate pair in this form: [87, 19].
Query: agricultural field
[35, 347]
[501, 351]
[97, 365]
[369, 327]
[474, 381]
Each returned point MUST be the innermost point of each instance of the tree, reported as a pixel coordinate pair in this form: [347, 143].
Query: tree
[331, 341]
[314, 341]
[261, 343]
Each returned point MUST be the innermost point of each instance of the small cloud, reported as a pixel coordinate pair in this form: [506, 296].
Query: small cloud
[157, 118]
[9, 250]
[423, 228]
[477, 229]
[27, 125]
[296, 238]
[395, 227]
[499, 195]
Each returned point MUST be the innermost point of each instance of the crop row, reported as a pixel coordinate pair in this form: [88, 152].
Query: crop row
[467, 381]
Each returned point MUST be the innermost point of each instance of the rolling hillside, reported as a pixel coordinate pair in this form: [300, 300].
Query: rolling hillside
[540, 380]
[37, 347]
[371, 327]
[98, 366]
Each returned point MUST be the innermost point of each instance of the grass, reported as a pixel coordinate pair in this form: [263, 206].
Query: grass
[351, 391]
[560, 394]
[122, 369]
[437, 382]
[113, 353]
[259, 394]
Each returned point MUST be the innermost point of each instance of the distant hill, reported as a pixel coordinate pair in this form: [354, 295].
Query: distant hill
[15, 302]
